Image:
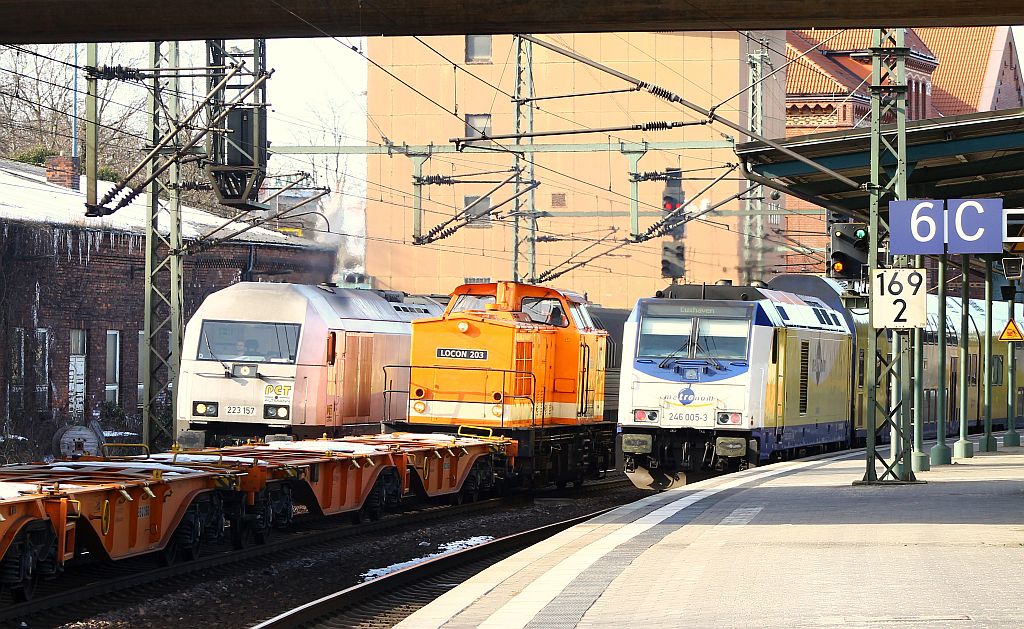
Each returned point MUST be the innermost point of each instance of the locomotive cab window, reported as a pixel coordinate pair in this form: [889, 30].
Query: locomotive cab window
[546, 310]
[472, 302]
[716, 333]
[248, 342]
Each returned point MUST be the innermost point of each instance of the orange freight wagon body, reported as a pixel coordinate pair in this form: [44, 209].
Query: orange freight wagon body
[507, 355]
[173, 502]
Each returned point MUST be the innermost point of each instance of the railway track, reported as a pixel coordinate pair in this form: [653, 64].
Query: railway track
[95, 587]
[387, 600]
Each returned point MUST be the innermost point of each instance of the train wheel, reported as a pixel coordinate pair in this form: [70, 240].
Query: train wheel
[471, 488]
[265, 525]
[242, 533]
[24, 591]
[169, 553]
[20, 575]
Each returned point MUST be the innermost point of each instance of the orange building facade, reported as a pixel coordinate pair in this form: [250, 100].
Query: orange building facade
[582, 202]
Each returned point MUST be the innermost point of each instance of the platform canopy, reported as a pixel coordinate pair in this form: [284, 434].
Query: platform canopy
[960, 157]
[54, 21]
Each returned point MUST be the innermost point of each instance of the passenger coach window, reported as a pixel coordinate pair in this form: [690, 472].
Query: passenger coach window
[248, 342]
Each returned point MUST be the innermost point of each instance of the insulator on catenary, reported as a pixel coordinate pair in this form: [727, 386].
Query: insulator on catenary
[661, 92]
[657, 125]
[443, 180]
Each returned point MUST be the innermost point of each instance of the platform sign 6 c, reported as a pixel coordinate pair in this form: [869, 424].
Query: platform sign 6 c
[952, 226]
[899, 299]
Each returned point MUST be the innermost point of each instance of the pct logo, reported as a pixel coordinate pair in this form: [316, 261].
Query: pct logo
[687, 396]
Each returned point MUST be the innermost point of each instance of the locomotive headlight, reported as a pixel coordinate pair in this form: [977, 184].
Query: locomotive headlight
[690, 374]
[204, 409]
[275, 412]
[729, 418]
[496, 410]
[420, 406]
[645, 415]
[463, 327]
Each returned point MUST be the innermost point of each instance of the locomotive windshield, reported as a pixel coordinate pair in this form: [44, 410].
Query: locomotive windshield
[697, 331]
[248, 341]
[472, 302]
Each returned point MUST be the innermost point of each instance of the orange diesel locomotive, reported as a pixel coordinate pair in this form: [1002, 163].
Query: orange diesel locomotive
[516, 360]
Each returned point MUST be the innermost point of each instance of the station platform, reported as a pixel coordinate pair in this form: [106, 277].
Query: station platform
[793, 544]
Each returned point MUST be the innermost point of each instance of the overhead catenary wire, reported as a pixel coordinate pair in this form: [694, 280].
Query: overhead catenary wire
[670, 96]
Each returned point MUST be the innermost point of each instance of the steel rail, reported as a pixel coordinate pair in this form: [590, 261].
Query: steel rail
[334, 528]
[327, 611]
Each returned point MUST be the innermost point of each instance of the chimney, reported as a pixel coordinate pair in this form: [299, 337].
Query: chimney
[62, 171]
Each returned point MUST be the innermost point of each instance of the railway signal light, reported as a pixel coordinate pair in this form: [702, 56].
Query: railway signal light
[672, 200]
[848, 250]
[673, 260]
[1013, 268]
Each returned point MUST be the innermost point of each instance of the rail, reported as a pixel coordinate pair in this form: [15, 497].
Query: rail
[389, 392]
[331, 610]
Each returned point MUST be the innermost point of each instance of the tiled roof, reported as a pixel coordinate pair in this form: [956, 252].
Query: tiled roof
[962, 55]
[817, 73]
[857, 40]
[963, 60]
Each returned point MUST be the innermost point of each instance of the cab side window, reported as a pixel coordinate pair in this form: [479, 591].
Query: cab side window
[546, 311]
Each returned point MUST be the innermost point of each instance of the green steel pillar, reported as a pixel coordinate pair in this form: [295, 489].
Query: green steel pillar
[988, 442]
[1011, 439]
[634, 190]
[941, 454]
[963, 448]
[162, 319]
[887, 404]
[524, 124]
[919, 460]
[417, 193]
[898, 403]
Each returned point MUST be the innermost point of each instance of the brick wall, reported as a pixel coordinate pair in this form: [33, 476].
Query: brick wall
[59, 280]
[62, 171]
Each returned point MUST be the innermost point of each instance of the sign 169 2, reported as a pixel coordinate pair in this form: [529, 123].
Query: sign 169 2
[899, 299]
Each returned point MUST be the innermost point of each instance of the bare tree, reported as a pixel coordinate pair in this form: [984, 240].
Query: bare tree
[37, 105]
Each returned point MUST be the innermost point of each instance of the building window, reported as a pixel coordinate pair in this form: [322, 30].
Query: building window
[476, 280]
[16, 382]
[478, 125]
[558, 199]
[478, 48]
[113, 366]
[41, 369]
[478, 211]
[76, 374]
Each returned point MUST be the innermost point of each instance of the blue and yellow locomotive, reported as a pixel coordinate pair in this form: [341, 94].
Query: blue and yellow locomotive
[719, 378]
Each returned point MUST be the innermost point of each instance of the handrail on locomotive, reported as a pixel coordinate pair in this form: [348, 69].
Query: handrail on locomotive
[529, 397]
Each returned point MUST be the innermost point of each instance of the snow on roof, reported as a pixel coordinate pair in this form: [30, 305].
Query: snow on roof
[26, 196]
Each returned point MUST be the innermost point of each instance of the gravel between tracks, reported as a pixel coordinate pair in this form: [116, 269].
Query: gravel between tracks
[243, 599]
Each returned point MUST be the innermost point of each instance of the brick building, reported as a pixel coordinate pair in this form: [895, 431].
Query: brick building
[950, 71]
[72, 291]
